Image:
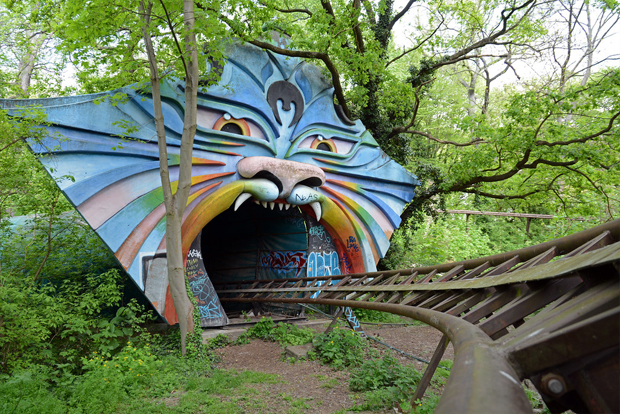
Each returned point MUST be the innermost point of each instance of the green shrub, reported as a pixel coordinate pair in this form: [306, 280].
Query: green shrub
[28, 391]
[387, 383]
[368, 315]
[341, 348]
[286, 334]
[283, 333]
[382, 373]
[262, 330]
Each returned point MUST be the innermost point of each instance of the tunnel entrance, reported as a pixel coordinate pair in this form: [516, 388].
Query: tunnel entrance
[255, 243]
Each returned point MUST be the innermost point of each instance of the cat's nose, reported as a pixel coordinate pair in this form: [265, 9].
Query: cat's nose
[285, 174]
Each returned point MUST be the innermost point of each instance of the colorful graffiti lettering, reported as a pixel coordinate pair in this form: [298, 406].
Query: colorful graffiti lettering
[352, 244]
[285, 262]
[194, 253]
[319, 231]
[354, 322]
[323, 264]
[346, 265]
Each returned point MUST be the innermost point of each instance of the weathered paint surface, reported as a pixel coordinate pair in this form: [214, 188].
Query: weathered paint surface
[274, 114]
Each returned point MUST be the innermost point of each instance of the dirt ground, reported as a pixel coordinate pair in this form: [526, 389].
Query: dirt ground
[322, 387]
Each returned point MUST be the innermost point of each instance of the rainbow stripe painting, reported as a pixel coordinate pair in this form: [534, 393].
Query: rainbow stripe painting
[283, 183]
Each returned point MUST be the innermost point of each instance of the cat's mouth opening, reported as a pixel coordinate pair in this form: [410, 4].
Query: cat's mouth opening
[250, 230]
[256, 239]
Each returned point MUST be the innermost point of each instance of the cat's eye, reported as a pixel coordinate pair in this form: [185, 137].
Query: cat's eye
[322, 144]
[223, 121]
[232, 125]
[334, 145]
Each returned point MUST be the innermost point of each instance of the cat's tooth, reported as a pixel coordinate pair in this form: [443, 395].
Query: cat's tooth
[257, 202]
[241, 199]
[272, 205]
[280, 206]
[264, 203]
[316, 206]
[287, 206]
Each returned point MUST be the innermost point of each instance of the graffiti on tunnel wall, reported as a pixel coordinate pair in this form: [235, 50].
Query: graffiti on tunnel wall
[323, 264]
[285, 262]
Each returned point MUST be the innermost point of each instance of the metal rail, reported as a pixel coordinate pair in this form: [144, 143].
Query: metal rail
[524, 314]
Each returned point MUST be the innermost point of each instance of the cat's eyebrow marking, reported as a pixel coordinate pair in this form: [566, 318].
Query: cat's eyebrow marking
[287, 93]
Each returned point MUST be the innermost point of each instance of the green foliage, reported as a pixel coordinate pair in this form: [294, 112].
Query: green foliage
[263, 329]
[341, 348]
[283, 333]
[442, 240]
[383, 373]
[368, 315]
[387, 383]
[59, 324]
[220, 341]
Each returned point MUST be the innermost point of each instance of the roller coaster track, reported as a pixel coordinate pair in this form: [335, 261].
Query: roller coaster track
[548, 313]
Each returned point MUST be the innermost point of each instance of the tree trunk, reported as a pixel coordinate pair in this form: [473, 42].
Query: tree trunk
[175, 203]
[25, 68]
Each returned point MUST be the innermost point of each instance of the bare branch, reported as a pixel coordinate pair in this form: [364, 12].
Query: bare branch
[584, 139]
[600, 189]
[514, 196]
[11, 143]
[441, 141]
[305, 11]
[419, 45]
[174, 36]
[400, 14]
[324, 57]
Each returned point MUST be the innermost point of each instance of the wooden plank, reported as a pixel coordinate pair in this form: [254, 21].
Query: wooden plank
[430, 370]
[527, 304]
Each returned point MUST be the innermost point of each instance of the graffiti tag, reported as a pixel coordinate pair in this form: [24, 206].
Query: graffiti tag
[284, 262]
[319, 231]
[323, 264]
[194, 253]
[352, 244]
[348, 268]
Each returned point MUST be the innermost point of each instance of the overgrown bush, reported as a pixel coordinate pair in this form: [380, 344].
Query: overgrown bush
[58, 324]
[283, 333]
[387, 383]
[382, 373]
[341, 348]
[369, 315]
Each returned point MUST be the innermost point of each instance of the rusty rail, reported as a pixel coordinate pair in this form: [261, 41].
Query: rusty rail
[523, 314]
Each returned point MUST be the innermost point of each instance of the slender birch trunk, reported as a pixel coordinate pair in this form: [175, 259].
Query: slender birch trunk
[175, 203]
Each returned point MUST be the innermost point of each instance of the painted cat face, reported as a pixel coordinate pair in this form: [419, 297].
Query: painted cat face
[283, 184]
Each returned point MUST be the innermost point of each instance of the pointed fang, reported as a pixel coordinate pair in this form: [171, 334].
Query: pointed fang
[280, 206]
[264, 203]
[316, 206]
[241, 199]
[272, 205]
[287, 206]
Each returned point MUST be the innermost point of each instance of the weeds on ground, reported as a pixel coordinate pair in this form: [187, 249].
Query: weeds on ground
[283, 333]
[341, 348]
[368, 315]
[386, 381]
